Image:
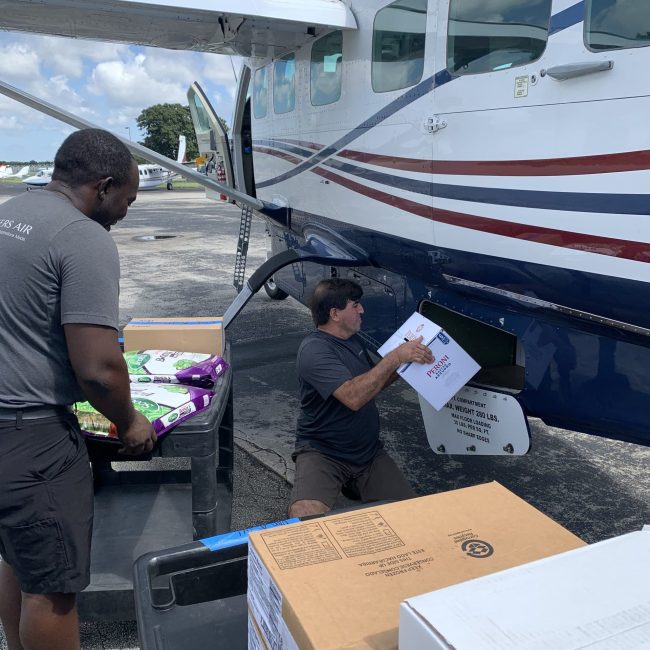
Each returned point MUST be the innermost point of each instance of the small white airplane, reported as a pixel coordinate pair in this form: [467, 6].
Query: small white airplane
[40, 179]
[7, 172]
[153, 176]
[488, 167]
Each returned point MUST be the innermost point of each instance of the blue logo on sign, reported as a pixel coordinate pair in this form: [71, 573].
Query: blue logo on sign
[443, 338]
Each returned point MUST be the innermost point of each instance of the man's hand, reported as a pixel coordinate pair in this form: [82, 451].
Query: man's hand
[413, 352]
[138, 438]
[358, 391]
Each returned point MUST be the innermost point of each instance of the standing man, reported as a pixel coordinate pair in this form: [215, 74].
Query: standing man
[337, 441]
[58, 345]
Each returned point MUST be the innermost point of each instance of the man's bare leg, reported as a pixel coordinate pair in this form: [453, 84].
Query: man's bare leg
[306, 507]
[10, 599]
[49, 622]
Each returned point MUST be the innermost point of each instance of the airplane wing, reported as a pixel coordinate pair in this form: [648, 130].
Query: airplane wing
[263, 28]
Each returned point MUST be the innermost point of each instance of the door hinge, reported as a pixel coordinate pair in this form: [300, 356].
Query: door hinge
[434, 124]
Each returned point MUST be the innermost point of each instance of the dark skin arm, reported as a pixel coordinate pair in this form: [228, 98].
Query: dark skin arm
[102, 374]
[358, 391]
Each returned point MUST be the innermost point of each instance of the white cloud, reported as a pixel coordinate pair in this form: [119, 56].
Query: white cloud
[18, 61]
[67, 56]
[131, 84]
[107, 84]
[219, 68]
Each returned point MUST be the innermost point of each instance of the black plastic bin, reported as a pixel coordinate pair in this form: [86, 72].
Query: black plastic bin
[192, 597]
[145, 509]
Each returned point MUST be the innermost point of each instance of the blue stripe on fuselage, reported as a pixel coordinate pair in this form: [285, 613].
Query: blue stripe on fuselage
[565, 201]
[560, 21]
[278, 144]
[414, 93]
[567, 18]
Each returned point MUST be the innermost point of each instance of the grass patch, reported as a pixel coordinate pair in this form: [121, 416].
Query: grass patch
[182, 184]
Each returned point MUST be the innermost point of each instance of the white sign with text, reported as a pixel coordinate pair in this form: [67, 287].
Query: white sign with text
[477, 422]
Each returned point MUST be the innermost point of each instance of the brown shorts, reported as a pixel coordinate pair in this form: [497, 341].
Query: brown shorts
[321, 478]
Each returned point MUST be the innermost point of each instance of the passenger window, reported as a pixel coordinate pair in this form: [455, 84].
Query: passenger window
[612, 25]
[260, 93]
[325, 69]
[483, 37]
[398, 45]
[284, 92]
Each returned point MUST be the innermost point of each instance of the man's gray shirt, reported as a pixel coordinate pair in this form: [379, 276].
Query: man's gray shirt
[57, 267]
[325, 363]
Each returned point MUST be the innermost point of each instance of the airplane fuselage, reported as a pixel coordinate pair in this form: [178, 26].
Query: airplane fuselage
[512, 194]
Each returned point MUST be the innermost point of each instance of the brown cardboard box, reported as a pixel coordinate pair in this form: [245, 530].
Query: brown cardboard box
[255, 636]
[337, 582]
[182, 333]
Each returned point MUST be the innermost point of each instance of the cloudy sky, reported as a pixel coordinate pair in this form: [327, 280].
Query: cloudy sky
[105, 83]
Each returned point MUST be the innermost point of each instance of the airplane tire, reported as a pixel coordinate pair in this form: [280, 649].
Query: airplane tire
[273, 291]
[170, 186]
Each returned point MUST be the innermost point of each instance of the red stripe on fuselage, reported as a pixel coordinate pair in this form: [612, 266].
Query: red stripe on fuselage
[580, 165]
[637, 251]
[278, 154]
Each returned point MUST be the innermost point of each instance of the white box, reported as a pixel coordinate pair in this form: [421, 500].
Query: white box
[595, 597]
[451, 369]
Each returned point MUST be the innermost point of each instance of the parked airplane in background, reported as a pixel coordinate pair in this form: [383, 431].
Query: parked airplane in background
[486, 165]
[153, 176]
[7, 172]
[40, 179]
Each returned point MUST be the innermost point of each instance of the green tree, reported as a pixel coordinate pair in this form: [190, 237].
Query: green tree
[163, 123]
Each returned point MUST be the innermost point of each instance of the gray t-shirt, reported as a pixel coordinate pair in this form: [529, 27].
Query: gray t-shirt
[57, 267]
[325, 363]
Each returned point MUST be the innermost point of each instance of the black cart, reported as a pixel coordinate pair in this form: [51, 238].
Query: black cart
[192, 597]
[142, 510]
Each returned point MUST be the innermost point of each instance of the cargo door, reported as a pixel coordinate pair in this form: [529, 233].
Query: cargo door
[211, 137]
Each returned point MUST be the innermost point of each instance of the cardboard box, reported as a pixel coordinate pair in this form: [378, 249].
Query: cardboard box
[337, 581]
[437, 382]
[595, 597]
[182, 334]
[255, 638]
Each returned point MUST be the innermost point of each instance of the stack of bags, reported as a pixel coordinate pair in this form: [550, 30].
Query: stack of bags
[167, 387]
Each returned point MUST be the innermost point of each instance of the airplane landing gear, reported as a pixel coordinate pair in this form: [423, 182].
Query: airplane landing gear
[170, 186]
[273, 291]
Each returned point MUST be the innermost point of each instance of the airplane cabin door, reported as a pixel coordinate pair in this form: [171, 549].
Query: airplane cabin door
[534, 117]
[211, 137]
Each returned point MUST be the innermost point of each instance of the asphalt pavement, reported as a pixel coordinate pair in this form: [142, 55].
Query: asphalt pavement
[595, 487]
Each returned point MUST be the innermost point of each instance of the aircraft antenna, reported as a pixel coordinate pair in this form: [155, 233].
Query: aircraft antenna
[233, 69]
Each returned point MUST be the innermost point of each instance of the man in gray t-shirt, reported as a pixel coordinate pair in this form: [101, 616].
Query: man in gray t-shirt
[59, 290]
[337, 433]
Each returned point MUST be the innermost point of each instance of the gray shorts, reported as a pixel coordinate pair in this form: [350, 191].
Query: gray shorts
[322, 478]
[46, 504]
